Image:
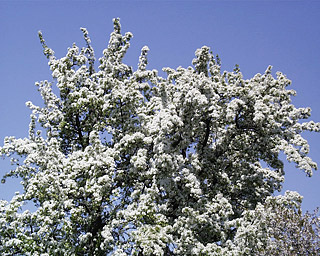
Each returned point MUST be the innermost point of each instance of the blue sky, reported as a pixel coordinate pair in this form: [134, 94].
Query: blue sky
[253, 34]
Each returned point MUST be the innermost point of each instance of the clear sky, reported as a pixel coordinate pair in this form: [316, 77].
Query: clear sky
[253, 34]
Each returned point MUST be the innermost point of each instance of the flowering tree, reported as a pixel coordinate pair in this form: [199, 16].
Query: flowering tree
[126, 162]
[279, 228]
[293, 233]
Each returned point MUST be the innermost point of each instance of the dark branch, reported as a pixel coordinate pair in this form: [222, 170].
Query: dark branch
[79, 131]
[206, 136]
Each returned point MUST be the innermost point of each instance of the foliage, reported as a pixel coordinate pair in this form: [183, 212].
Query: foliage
[126, 162]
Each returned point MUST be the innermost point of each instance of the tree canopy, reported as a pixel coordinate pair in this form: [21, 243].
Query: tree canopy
[126, 162]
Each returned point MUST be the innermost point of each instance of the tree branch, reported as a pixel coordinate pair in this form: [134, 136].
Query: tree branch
[206, 136]
[79, 131]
